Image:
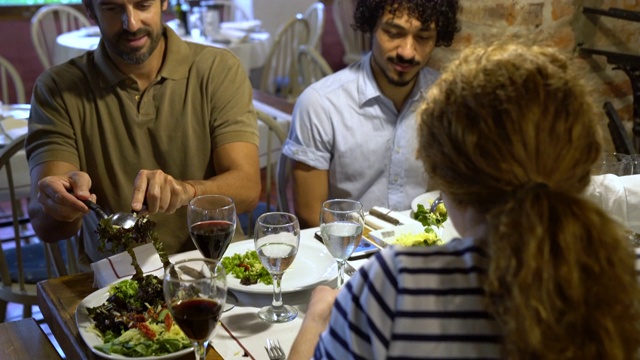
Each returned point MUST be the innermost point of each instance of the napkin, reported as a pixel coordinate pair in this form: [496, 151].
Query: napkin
[117, 267]
[619, 196]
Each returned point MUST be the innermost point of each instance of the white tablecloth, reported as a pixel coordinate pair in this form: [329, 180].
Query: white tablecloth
[252, 52]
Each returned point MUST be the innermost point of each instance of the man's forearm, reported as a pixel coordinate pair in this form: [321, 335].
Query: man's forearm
[241, 187]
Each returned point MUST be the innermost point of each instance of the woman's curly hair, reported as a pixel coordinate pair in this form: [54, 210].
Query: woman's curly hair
[441, 12]
[511, 131]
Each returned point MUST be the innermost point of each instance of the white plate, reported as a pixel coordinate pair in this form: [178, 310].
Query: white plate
[91, 338]
[313, 266]
[424, 199]
[16, 111]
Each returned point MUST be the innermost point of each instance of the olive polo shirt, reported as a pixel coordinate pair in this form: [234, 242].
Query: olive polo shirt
[87, 113]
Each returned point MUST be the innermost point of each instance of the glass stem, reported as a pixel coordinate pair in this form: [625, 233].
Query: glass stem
[200, 349]
[277, 291]
[340, 274]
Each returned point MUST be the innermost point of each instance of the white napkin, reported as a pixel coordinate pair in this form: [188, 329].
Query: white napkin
[619, 196]
[118, 267]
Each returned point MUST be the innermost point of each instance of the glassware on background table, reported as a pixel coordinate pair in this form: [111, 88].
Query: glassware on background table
[212, 223]
[277, 237]
[195, 291]
[613, 163]
[341, 225]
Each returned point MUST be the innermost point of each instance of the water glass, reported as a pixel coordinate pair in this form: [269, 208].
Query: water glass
[277, 237]
[613, 163]
[341, 225]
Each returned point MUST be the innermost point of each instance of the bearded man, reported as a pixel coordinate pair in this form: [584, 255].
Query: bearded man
[145, 122]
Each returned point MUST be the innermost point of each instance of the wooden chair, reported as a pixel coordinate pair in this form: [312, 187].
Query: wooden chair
[10, 84]
[355, 43]
[228, 10]
[280, 71]
[311, 65]
[49, 22]
[315, 17]
[272, 137]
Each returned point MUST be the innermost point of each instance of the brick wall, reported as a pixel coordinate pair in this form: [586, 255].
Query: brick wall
[565, 26]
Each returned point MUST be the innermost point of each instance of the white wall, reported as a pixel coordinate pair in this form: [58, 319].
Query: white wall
[274, 13]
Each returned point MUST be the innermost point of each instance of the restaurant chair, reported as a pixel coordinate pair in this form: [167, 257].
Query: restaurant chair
[619, 136]
[22, 264]
[315, 17]
[283, 188]
[280, 72]
[355, 43]
[49, 22]
[273, 133]
[311, 65]
[11, 85]
[228, 10]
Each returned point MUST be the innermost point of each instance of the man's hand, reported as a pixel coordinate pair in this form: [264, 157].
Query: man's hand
[58, 195]
[160, 192]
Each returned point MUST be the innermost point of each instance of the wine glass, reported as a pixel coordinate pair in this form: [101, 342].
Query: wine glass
[212, 223]
[341, 225]
[195, 291]
[277, 236]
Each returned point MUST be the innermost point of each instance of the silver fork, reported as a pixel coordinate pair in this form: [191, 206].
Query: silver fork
[274, 350]
[349, 269]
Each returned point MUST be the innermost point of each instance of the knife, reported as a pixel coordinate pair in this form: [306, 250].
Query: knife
[386, 217]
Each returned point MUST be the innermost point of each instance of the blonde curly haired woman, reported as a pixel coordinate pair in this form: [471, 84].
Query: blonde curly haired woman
[509, 135]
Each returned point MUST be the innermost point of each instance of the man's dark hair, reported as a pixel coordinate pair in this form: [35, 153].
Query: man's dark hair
[441, 12]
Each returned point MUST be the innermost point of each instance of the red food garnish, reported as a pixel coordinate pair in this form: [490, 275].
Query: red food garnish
[168, 321]
[246, 267]
[145, 329]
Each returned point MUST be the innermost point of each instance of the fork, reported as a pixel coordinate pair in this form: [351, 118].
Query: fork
[349, 269]
[274, 350]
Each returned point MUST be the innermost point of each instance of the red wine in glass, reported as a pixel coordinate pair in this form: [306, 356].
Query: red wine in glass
[212, 237]
[197, 317]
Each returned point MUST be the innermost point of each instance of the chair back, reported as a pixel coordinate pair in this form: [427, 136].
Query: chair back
[280, 71]
[227, 10]
[10, 83]
[315, 17]
[49, 22]
[355, 43]
[273, 133]
[311, 65]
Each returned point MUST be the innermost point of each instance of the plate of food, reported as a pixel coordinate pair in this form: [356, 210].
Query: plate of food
[428, 228]
[312, 266]
[112, 333]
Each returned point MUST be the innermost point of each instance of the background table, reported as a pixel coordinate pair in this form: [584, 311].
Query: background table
[251, 53]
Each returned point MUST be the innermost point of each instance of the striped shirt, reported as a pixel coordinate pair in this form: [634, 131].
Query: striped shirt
[417, 302]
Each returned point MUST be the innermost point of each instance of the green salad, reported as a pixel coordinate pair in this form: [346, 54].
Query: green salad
[247, 267]
[135, 321]
[428, 218]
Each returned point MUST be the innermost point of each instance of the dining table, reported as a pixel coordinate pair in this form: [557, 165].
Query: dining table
[251, 47]
[240, 335]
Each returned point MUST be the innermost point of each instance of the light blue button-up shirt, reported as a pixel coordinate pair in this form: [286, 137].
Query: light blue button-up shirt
[343, 124]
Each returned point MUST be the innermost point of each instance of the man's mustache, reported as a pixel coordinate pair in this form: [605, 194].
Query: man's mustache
[402, 61]
[133, 35]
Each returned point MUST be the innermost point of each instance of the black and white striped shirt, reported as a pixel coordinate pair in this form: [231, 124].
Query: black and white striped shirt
[414, 303]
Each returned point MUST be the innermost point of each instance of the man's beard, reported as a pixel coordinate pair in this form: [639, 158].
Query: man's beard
[135, 56]
[398, 82]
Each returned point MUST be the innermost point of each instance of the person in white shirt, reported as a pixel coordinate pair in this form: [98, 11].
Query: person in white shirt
[353, 132]
[540, 271]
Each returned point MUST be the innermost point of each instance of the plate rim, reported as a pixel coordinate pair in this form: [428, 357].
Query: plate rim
[82, 317]
[330, 274]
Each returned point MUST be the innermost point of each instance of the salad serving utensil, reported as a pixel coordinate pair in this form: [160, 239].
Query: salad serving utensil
[121, 219]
